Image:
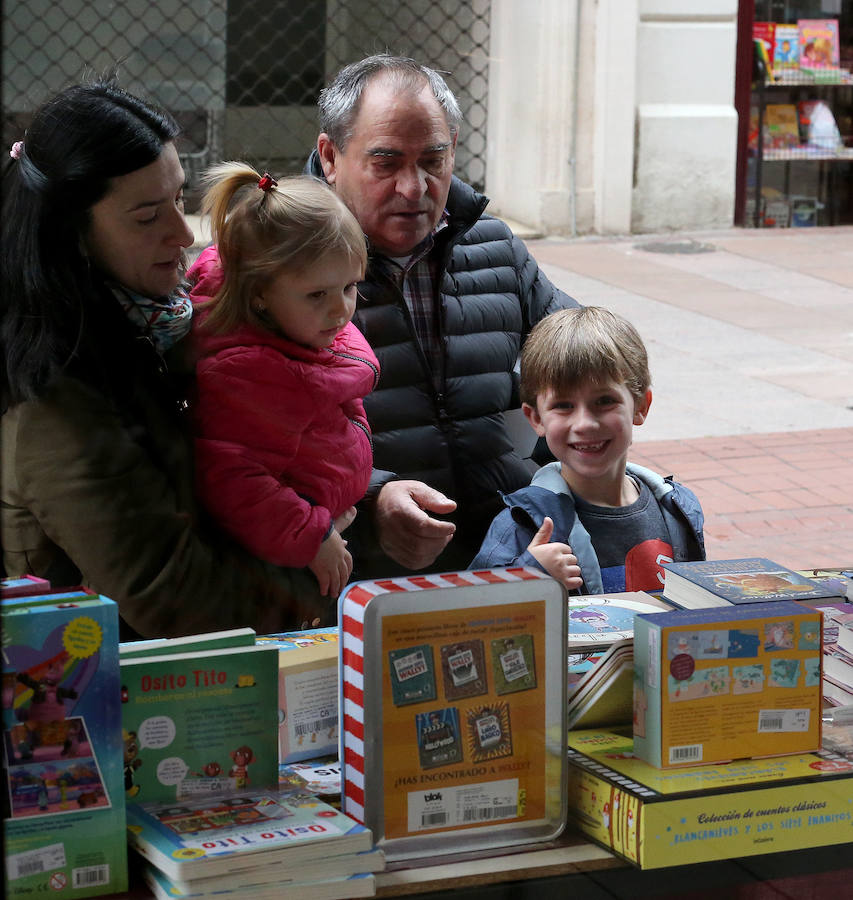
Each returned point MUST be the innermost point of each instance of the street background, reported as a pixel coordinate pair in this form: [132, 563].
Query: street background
[750, 340]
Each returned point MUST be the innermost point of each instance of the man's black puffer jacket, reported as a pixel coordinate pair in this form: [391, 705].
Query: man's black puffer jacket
[448, 431]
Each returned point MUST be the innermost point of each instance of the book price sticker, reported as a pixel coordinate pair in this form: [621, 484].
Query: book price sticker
[467, 804]
[783, 720]
[33, 862]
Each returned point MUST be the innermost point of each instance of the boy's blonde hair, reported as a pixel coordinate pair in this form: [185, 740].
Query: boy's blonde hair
[258, 233]
[576, 346]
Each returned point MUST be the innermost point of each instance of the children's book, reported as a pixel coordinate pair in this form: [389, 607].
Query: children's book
[786, 49]
[281, 873]
[657, 817]
[234, 833]
[696, 585]
[307, 692]
[604, 696]
[599, 620]
[332, 888]
[764, 33]
[63, 796]
[781, 127]
[212, 640]
[319, 776]
[451, 686]
[22, 586]
[819, 48]
[66, 596]
[838, 665]
[199, 722]
[726, 683]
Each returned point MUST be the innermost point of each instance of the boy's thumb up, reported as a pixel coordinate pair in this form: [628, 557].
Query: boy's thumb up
[543, 536]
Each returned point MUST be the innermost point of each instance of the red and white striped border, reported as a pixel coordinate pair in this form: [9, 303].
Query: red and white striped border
[352, 658]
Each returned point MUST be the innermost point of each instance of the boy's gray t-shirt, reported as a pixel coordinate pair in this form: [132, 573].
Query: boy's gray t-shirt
[631, 542]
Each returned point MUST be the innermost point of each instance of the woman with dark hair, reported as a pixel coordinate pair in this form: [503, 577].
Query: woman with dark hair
[97, 481]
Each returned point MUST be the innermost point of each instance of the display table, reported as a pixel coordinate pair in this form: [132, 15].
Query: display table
[574, 867]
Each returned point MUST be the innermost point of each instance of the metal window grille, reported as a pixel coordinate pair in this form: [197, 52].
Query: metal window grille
[242, 77]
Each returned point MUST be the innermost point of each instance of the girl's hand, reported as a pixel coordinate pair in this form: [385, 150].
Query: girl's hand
[332, 565]
[345, 519]
[557, 560]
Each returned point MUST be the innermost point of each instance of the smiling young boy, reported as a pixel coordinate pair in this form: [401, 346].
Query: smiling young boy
[592, 520]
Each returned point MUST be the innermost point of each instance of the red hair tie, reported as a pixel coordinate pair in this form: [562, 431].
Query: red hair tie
[267, 182]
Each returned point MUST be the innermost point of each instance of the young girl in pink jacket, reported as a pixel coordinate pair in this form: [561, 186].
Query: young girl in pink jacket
[283, 448]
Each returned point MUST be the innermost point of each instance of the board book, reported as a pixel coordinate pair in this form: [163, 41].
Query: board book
[307, 692]
[604, 695]
[655, 818]
[332, 888]
[22, 586]
[282, 873]
[213, 640]
[449, 685]
[697, 585]
[63, 796]
[199, 723]
[717, 684]
[598, 620]
[233, 833]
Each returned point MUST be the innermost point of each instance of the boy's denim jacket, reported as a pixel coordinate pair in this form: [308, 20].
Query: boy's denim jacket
[513, 529]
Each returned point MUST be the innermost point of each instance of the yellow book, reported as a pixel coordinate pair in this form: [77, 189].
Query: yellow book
[656, 817]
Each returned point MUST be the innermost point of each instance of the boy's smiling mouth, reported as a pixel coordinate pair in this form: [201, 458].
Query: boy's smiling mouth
[589, 448]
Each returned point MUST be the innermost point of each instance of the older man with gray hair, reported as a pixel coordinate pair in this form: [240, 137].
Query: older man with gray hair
[449, 296]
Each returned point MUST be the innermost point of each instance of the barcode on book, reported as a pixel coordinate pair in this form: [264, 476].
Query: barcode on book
[687, 753]
[315, 726]
[90, 876]
[433, 819]
[30, 867]
[33, 862]
[770, 723]
[483, 813]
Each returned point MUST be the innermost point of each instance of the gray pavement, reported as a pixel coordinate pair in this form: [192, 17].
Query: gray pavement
[753, 335]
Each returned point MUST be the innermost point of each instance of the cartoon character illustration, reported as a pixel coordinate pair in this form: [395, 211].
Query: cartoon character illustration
[242, 757]
[131, 762]
[42, 795]
[212, 769]
[595, 618]
[47, 703]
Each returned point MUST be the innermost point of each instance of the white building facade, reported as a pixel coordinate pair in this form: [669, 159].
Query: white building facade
[613, 116]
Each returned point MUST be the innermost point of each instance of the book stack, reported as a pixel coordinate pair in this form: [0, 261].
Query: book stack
[601, 656]
[63, 798]
[699, 585]
[837, 651]
[201, 767]
[258, 845]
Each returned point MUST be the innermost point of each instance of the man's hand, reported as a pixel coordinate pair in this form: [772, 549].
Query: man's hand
[406, 533]
[332, 565]
[557, 560]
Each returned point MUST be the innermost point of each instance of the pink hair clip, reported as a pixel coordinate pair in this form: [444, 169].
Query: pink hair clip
[267, 182]
[16, 150]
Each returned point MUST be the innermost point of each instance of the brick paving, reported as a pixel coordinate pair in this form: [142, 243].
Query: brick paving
[751, 352]
[786, 496]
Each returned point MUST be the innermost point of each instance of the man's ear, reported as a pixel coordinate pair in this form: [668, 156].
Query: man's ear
[641, 408]
[531, 413]
[328, 153]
